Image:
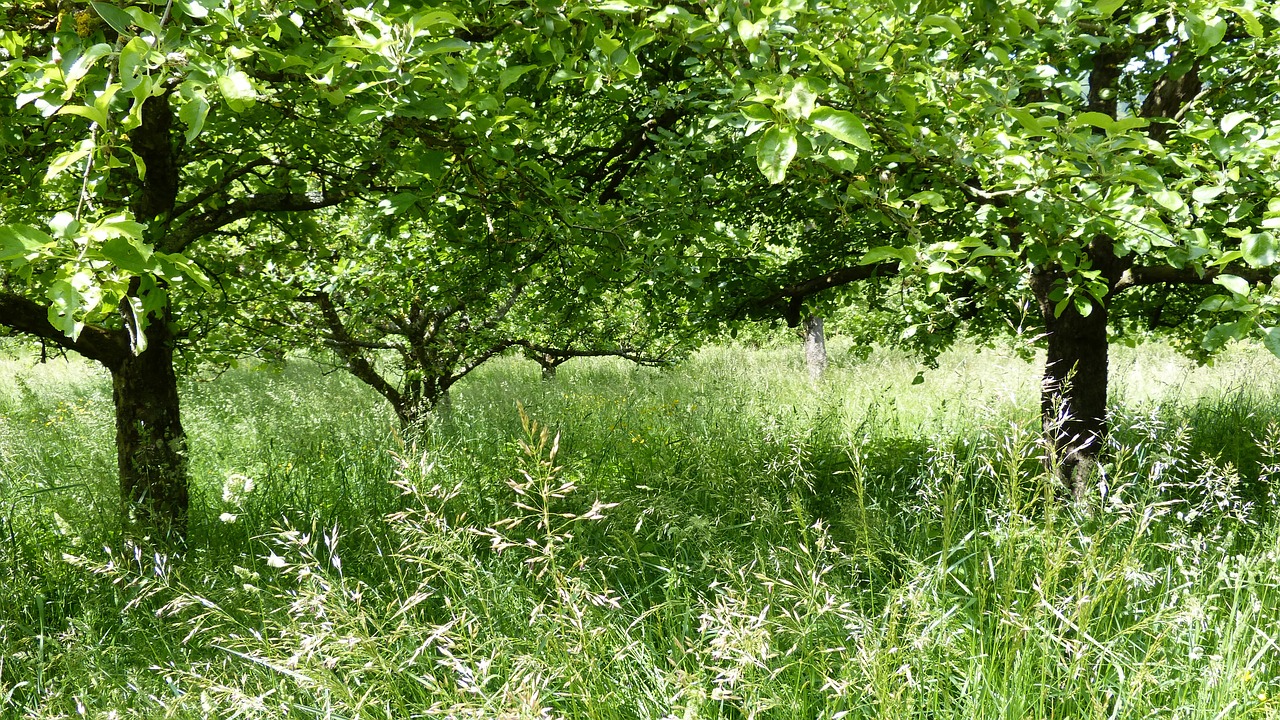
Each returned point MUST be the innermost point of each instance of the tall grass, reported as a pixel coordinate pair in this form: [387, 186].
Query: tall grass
[718, 540]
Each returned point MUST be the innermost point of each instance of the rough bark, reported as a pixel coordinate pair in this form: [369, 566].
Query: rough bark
[151, 444]
[815, 347]
[1073, 397]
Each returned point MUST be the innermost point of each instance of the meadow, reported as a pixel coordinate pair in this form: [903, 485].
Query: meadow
[717, 540]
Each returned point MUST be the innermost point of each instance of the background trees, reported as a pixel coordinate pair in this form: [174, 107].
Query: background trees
[734, 159]
[164, 133]
[1060, 154]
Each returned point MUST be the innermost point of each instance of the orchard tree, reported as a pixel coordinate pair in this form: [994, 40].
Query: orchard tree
[145, 139]
[1058, 154]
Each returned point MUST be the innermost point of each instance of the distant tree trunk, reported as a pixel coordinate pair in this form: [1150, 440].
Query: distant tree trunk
[419, 400]
[549, 363]
[1073, 399]
[151, 444]
[815, 347]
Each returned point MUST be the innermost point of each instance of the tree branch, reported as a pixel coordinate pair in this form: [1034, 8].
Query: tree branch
[108, 347]
[346, 346]
[1167, 275]
[212, 190]
[634, 356]
[241, 208]
[796, 293]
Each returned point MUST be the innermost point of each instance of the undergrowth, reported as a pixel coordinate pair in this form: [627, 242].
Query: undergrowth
[718, 541]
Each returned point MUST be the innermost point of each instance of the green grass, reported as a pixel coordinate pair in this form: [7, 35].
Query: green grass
[721, 540]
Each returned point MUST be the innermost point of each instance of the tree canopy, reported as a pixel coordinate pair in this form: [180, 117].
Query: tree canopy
[169, 160]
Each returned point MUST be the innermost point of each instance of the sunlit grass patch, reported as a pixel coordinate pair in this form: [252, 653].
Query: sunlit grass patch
[723, 539]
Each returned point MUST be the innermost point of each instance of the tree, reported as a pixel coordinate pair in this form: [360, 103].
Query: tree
[1062, 153]
[148, 143]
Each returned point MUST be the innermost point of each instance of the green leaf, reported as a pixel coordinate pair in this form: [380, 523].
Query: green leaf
[448, 45]
[192, 114]
[86, 61]
[1251, 23]
[118, 225]
[133, 63]
[1099, 120]
[928, 197]
[887, 252]
[799, 101]
[119, 20]
[67, 159]
[84, 111]
[65, 302]
[846, 160]
[146, 20]
[946, 23]
[1271, 340]
[756, 113]
[512, 74]
[1129, 123]
[1234, 283]
[1145, 178]
[195, 9]
[1215, 29]
[428, 20]
[127, 253]
[984, 251]
[1260, 249]
[1233, 119]
[1107, 8]
[1027, 120]
[21, 242]
[842, 125]
[1169, 199]
[1207, 193]
[238, 90]
[1219, 335]
[775, 151]
[363, 114]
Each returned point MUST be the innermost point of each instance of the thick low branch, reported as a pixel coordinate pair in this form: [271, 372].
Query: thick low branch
[561, 353]
[109, 347]
[346, 347]
[796, 293]
[1167, 275]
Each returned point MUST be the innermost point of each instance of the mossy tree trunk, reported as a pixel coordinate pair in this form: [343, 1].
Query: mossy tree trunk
[151, 445]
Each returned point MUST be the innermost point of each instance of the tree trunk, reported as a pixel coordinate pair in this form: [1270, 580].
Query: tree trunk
[815, 347]
[150, 442]
[1073, 399]
[419, 401]
[151, 445]
[549, 363]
